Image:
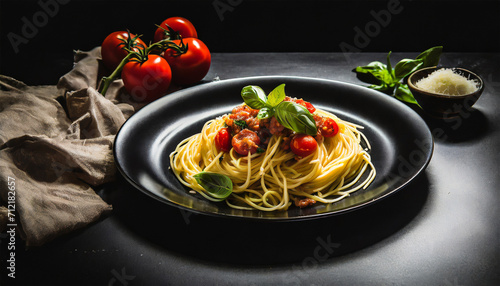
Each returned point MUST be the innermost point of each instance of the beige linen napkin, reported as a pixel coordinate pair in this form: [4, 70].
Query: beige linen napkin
[56, 145]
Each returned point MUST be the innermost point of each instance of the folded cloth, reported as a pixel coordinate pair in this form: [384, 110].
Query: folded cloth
[56, 145]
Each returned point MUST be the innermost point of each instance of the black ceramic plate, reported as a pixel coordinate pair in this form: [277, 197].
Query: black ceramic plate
[401, 142]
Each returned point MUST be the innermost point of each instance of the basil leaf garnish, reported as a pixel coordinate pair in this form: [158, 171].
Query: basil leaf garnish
[254, 96]
[265, 113]
[289, 114]
[295, 117]
[276, 96]
[217, 185]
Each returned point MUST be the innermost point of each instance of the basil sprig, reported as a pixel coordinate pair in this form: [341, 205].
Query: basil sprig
[289, 114]
[217, 185]
[386, 79]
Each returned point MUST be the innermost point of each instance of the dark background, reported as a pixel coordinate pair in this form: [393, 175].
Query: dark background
[240, 26]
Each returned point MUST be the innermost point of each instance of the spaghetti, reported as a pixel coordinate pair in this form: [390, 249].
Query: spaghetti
[273, 177]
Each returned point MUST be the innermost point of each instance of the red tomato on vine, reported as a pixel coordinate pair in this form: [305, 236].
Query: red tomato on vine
[190, 65]
[113, 47]
[147, 78]
[172, 27]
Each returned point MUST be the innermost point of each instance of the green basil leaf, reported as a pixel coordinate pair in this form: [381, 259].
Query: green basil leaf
[369, 78]
[373, 66]
[276, 96]
[265, 113]
[431, 56]
[254, 96]
[373, 73]
[382, 87]
[406, 67]
[241, 123]
[389, 66]
[295, 117]
[403, 93]
[384, 76]
[217, 185]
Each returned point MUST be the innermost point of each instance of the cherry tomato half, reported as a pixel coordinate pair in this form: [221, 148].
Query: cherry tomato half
[223, 140]
[245, 141]
[329, 127]
[303, 145]
[149, 80]
[190, 67]
[306, 104]
[181, 25]
[112, 51]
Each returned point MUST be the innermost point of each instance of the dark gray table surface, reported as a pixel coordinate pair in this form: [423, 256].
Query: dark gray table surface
[442, 229]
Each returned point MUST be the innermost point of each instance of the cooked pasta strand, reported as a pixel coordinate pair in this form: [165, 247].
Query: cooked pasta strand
[272, 180]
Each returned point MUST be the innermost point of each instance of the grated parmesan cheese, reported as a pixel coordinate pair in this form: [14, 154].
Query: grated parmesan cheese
[447, 82]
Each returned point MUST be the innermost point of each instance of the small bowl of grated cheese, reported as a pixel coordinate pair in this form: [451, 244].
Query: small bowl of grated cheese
[445, 92]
